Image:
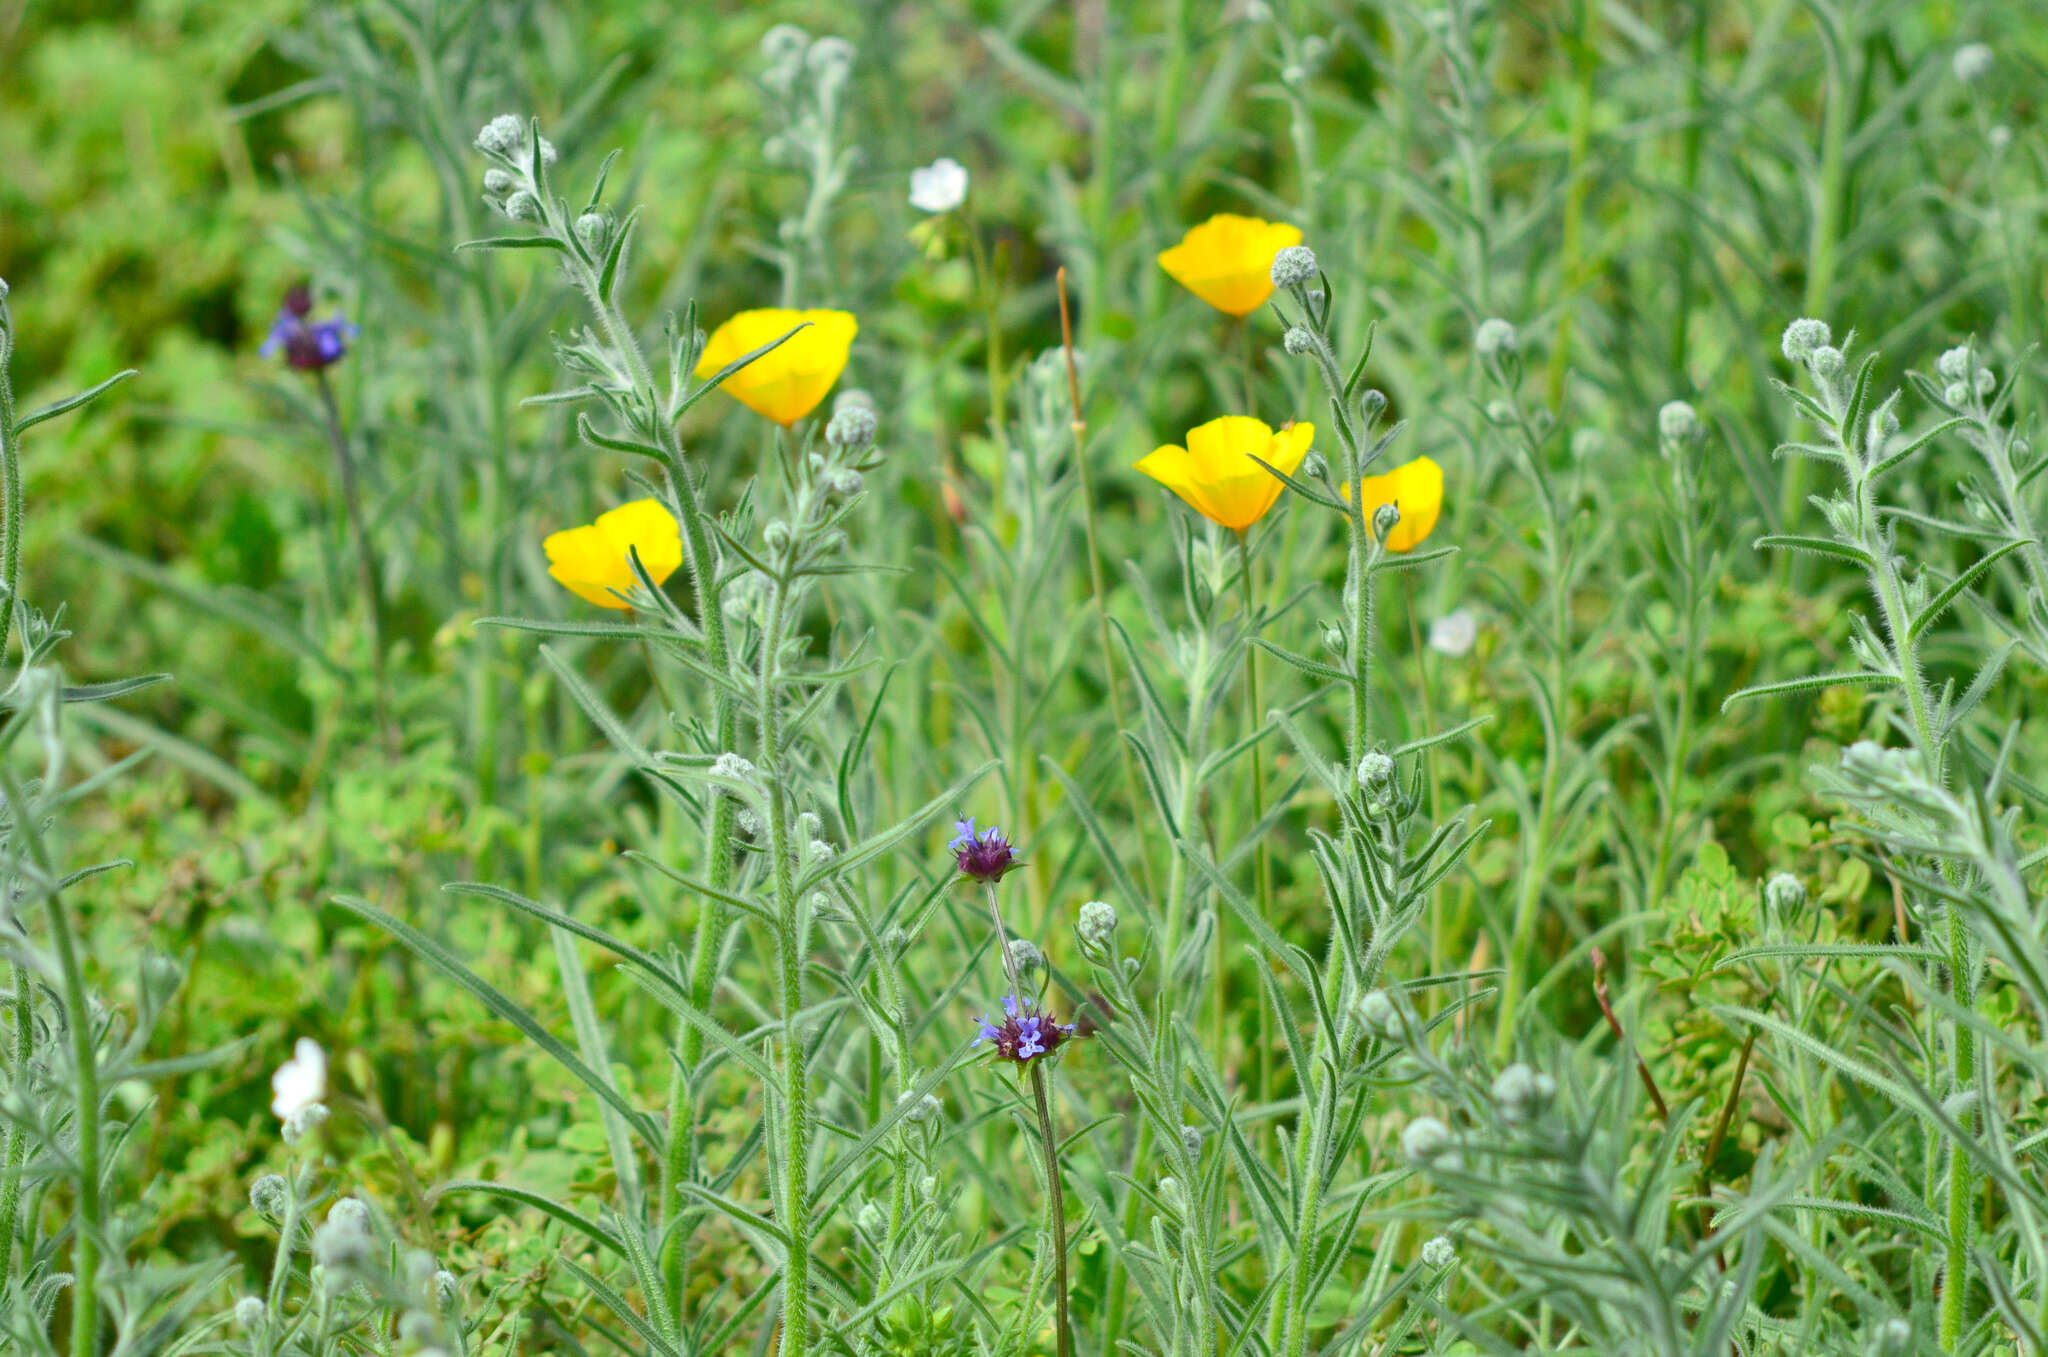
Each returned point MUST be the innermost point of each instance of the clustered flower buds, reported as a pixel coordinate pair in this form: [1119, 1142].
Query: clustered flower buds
[1024, 957]
[1426, 1141]
[1294, 266]
[1094, 928]
[1439, 1252]
[1678, 422]
[1375, 771]
[1522, 1093]
[343, 1242]
[1376, 1010]
[271, 1195]
[505, 135]
[1786, 894]
[852, 426]
[1495, 339]
[1802, 337]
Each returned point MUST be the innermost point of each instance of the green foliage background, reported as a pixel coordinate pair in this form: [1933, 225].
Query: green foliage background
[165, 173]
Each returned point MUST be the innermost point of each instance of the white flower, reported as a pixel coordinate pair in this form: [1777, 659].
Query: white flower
[1971, 61]
[1454, 633]
[301, 1081]
[939, 187]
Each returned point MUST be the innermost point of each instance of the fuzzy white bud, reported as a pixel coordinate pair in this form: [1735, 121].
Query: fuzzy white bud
[1802, 337]
[1496, 338]
[1425, 1140]
[1381, 1018]
[853, 426]
[502, 135]
[1785, 893]
[1678, 422]
[1095, 924]
[1294, 266]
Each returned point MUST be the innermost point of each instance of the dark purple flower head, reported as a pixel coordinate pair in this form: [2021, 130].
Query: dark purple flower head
[1023, 1032]
[308, 345]
[986, 855]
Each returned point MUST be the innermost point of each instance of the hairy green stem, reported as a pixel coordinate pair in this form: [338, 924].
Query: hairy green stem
[22, 1009]
[1057, 1207]
[796, 1130]
[1891, 592]
[1262, 866]
[1187, 802]
[85, 1310]
[10, 485]
[700, 559]
[366, 564]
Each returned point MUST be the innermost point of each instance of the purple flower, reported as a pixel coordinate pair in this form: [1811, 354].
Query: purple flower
[985, 855]
[1024, 1032]
[308, 345]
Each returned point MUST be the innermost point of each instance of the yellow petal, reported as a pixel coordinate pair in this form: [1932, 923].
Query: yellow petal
[1415, 488]
[584, 562]
[1171, 466]
[788, 381]
[1217, 473]
[647, 527]
[1227, 261]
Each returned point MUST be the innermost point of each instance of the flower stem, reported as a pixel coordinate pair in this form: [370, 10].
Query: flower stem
[796, 1130]
[1057, 1205]
[23, 997]
[10, 486]
[85, 1311]
[366, 564]
[1263, 866]
[17, 1139]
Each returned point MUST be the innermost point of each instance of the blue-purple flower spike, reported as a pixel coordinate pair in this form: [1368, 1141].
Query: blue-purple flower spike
[308, 345]
[1023, 1033]
[984, 855]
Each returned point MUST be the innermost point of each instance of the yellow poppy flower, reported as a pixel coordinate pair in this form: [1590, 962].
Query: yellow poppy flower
[592, 562]
[1227, 261]
[1215, 472]
[1415, 488]
[788, 381]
